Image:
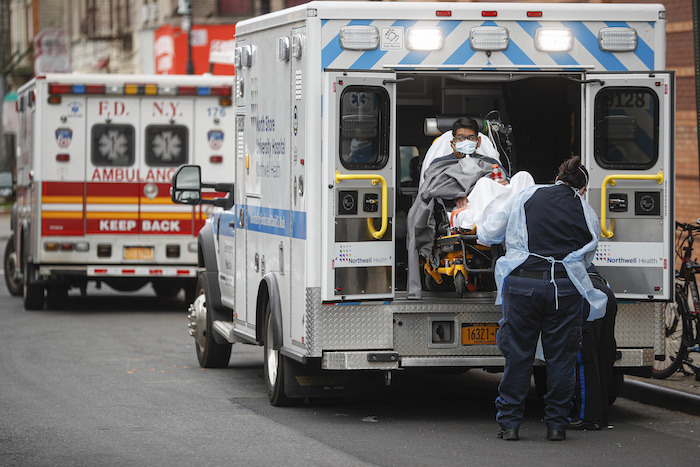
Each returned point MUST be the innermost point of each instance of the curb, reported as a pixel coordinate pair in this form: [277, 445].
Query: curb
[660, 396]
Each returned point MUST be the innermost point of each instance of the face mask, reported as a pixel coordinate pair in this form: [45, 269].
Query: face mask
[466, 147]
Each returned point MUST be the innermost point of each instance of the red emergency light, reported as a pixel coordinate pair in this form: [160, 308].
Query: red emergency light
[443, 13]
[534, 14]
[489, 13]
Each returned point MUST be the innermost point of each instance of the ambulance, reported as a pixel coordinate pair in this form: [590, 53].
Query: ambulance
[95, 157]
[311, 262]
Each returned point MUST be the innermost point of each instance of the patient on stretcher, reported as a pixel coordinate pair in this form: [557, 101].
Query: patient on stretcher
[461, 179]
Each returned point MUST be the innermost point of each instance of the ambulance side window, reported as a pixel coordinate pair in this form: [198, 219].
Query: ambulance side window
[364, 122]
[166, 145]
[626, 128]
[112, 145]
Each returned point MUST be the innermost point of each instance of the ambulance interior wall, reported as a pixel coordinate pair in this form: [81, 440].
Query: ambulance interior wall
[544, 113]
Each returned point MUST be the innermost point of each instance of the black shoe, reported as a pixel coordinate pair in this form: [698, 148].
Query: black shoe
[508, 435]
[556, 435]
[584, 425]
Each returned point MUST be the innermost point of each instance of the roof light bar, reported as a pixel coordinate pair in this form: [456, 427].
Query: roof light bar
[554, 39]
[489, 38]
[359, 37]
[617, 39]
[425, 39]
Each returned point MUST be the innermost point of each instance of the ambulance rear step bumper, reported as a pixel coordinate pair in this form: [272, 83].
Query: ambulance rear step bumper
[388, 360]
[384, 360]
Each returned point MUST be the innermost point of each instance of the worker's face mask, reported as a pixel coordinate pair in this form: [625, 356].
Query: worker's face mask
[466, 147]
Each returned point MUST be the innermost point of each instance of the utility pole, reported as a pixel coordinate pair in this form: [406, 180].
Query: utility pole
[184, 8]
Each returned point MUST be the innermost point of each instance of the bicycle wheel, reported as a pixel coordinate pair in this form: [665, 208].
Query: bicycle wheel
[674, 349]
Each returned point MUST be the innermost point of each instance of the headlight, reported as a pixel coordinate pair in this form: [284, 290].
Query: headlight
[554, 39]
[489, 38]
[359, 37]
[425, 39]
[617, 39]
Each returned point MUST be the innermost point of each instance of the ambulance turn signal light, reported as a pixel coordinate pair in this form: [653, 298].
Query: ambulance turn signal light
[216, 159]
[225, 102]
[62, 157]
[54, 99]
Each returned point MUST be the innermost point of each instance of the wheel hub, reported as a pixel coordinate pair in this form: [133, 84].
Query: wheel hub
[198, 320]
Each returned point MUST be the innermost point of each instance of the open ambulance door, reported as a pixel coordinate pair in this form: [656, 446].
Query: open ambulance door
[629, 135]
[358, 205]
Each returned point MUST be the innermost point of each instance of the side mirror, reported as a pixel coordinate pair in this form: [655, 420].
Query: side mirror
[186, 186]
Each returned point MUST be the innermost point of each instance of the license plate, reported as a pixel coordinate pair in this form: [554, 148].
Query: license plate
[479, 333]
[138, 252]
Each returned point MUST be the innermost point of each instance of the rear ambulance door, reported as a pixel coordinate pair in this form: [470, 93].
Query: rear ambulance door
[166, 126]
[629, 151]
[112, 167]
[358, 236]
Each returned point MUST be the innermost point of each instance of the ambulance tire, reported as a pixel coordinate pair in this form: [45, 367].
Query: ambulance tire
[10, 265]
[56, 297]
[210, 353]
[274, 368]
[32, 294]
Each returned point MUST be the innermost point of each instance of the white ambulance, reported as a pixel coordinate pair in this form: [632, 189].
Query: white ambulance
[95, 157]
[312, 261]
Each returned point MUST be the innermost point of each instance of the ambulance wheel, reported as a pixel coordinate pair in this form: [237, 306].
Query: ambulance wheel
[32, 294]
[460, 284]
[13, 283]
[210, 353]
[166, 290]
[56, 296]
[274, 368]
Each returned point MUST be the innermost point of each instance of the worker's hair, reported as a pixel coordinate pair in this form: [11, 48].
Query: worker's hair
[465, 122]
[573, 173]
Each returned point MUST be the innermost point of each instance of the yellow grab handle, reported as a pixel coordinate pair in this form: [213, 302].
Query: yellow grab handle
[610, 180]
[375, 179]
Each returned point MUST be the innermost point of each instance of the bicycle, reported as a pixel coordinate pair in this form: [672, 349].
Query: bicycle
[682, 321]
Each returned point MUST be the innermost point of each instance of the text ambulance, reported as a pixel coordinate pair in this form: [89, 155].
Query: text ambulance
[95, 157]
[336, 105]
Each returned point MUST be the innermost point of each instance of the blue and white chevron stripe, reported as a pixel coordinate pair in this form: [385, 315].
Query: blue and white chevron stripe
[520, 54]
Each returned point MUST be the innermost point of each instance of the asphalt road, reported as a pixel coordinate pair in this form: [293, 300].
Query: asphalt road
[115, 381]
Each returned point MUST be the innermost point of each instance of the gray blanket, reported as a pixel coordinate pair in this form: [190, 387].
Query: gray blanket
[444, 180]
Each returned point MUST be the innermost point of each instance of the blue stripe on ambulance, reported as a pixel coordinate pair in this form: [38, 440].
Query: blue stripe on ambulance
[333, 50]
[590, 43]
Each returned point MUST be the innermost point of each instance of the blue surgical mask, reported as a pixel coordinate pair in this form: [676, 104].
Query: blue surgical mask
[466, 147]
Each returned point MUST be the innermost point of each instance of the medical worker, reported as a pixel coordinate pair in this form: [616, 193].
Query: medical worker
[551, 234]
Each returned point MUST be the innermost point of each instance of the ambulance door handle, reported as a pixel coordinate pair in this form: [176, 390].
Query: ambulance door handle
[375, 179]
[610, 180]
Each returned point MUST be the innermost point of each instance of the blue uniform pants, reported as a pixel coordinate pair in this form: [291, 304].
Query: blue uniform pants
[529, 308]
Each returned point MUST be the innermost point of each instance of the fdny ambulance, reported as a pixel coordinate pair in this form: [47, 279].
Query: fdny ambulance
[336, 105]
[95, 157]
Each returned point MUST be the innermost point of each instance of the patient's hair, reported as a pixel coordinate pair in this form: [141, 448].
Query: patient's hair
[465, 122]
[573, 173]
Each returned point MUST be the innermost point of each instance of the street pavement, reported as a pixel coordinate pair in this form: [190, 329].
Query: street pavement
[679, 392]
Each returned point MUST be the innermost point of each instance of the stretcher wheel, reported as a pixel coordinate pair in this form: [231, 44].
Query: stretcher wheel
[460, 284]
[433, 286]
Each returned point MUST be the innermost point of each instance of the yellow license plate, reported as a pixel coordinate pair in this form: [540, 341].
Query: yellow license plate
[138, 252]
[479, 333]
